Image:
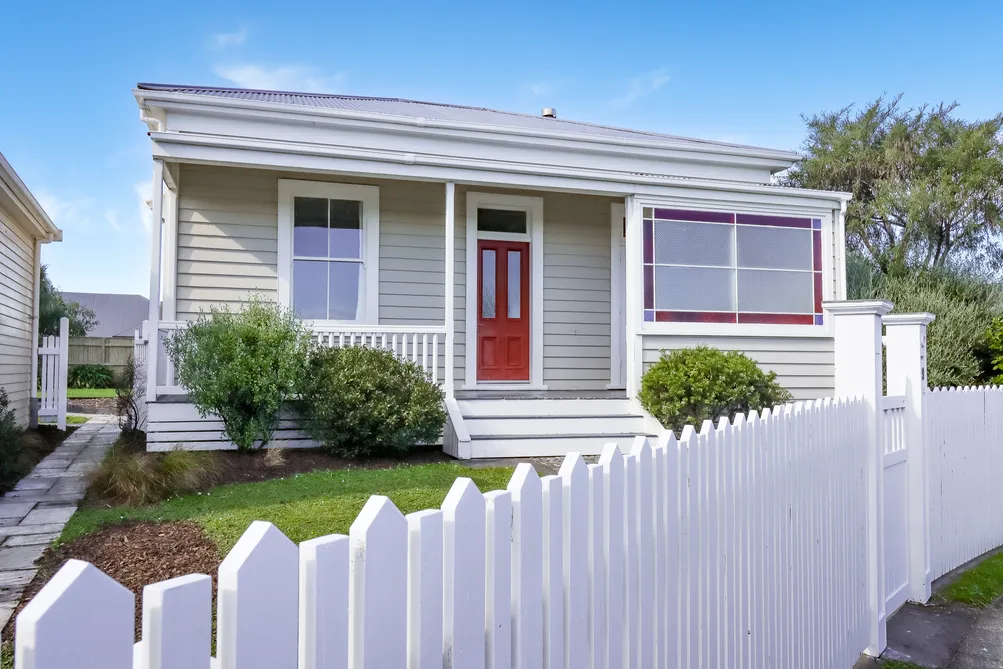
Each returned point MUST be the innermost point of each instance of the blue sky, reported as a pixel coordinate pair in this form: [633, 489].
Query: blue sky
[741, 72]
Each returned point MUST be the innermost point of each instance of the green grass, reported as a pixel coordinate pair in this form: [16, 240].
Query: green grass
[979, 586]
[89, 393]
[302, 506]
[899, 664]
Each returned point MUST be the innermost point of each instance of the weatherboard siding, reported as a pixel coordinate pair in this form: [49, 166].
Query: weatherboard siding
[804, 365]
[17, 276]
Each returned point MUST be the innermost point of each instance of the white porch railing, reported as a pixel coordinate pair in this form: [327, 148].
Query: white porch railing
[421, 344]
[54, 357]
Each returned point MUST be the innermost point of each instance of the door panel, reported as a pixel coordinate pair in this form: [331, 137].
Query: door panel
[502, 310]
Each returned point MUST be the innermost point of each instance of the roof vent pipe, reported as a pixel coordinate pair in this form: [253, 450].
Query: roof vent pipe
[549, 112]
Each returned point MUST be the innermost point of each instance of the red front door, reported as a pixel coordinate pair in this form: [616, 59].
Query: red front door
[502, 310]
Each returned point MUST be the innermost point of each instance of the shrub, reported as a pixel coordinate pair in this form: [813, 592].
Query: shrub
[965, 306]
[241, 366]
[364, 402]
[688, 386]
[90, 376]
[129, 397]
[128, 476]
[994, 342]
[10, 441]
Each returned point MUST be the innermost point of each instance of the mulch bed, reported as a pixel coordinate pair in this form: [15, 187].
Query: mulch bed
[91, 405]
[135, 555]
[254, 467]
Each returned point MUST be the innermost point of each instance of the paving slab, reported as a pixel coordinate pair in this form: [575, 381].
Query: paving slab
[15, 509]
[20, 557]
[35, 483]
[59, 514]
[31, 540]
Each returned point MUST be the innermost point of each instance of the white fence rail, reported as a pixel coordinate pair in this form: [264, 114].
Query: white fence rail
[741, 545]
[53, 359]
[966, 462]
[423, 345]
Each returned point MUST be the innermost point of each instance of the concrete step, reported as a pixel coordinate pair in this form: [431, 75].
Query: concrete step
[524, 446]
[479, 408]
[566, 425]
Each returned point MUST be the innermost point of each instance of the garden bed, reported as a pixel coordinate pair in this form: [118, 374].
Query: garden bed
[35, 445]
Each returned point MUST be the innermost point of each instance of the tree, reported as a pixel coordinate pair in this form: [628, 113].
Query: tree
[927, 186]
[52, 307]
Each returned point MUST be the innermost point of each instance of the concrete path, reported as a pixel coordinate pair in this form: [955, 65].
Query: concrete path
[33, 514]
[983, 647]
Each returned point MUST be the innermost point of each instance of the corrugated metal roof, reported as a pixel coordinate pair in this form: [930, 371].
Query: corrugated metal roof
[117, 315]
[429, 110]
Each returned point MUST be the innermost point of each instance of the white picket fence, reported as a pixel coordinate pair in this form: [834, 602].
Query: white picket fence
[966, 463]
[53, 360]
[738, 546]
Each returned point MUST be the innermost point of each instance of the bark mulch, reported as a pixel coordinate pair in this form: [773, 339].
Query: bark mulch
[135, 555]
[91, 405]
[257, 466]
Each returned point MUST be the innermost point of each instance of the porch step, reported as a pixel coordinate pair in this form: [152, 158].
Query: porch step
[524, 427]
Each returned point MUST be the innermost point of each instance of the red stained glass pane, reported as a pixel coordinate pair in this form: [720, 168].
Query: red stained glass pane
[779, 319]
[782, 221]
[693, 317]
[690, 215]
[649, 242]
[818, 292]
[816, 243]
[649, 287]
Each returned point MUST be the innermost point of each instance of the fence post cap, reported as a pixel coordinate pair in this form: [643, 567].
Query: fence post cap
[858, 307]
[921, 318]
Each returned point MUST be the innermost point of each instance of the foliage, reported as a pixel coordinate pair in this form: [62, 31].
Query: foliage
[90, 393]
[90, 376]
[302, 506]
[241, 366]
[964, 306]
[129, 396]
[10, 441]
[927, 186]
[128, 476]
[979, 586]
[363, 401]
[52, 307]
[690, 385]
[994, 344]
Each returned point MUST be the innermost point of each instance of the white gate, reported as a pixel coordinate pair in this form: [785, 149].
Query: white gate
[53, 354]
[895, 461]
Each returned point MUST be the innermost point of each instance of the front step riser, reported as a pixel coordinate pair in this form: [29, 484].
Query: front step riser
[591, 426]
[535, 448]
[553, 408]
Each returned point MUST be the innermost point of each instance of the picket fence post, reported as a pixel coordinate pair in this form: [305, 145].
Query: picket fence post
[62, 372]
[906, 348]
[858, 355]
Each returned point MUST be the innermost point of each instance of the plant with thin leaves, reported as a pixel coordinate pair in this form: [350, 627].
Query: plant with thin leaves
[241, 365]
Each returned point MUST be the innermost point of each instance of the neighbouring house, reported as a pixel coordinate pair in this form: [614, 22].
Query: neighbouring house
[533, 265]
[24, 227]
[110, 341]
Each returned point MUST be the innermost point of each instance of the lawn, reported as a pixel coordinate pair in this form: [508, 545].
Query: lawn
[303, 506]
[979, 586]
[89, 393]
[70, 420]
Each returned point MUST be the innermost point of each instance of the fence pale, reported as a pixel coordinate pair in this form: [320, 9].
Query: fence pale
[498, 567]
[323, 603]
[177, 623]
[553, 573]
[527, 568]
[574, 477]
[424, 589]
[463, 576]
[258, 609]
[81, 619]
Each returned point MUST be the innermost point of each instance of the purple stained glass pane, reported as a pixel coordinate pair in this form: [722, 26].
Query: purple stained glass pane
[649, 287]
[692, 215]
[649, 242]
[818, 319]
[649, 316]
[816, 223]
[781, 221]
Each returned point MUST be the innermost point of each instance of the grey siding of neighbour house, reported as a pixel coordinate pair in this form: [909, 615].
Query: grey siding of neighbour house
[804, 365]
[17, 277]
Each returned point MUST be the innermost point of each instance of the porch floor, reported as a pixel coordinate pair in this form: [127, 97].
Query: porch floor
[541, 394]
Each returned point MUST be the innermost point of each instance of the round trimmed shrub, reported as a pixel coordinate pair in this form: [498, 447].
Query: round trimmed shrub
[361, 402]
[690, 385]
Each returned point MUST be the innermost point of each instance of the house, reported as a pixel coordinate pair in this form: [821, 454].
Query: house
[24, 227]
[533, 265]
[116, 315]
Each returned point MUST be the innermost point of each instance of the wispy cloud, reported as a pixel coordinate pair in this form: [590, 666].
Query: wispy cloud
[111, 218]
[547, 87]
[641, 87]
[66, 212]
[303, 78]
[224, 40]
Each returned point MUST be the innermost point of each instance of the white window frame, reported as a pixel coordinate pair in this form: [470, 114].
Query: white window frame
[369, 286]
[533, 206]
[747, 329]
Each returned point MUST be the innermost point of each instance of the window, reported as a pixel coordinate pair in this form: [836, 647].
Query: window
[719, 267]
[329, 250]
[501, 220]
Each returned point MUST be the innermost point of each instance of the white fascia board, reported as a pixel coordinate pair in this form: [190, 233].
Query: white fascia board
[229, 106]
[24, 207]
[279, 155]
